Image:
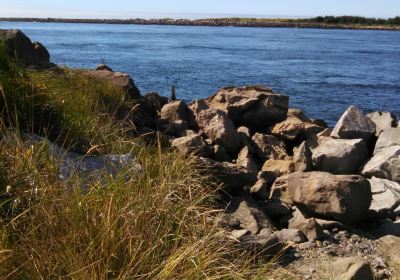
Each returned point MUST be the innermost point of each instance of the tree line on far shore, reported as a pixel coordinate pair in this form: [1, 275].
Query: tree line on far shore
[355, 20]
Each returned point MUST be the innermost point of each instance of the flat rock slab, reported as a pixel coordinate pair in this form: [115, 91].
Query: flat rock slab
[340, 156]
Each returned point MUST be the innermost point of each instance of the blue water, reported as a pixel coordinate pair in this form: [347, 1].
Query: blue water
[323, 71]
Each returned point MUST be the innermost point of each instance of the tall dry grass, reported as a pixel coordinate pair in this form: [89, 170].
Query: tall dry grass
[160, 224]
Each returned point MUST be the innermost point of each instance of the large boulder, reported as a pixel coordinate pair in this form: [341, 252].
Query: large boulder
[269, 147]
[385, 196]
[192, 144]
[252, 106]
[340, 156]
[220, 129]
[382, 121]
[354, 125]
[119, 80]
[389, 247]
[352, 268]
[345, 198]
[384, 164]
[388, 138]
[18, 44]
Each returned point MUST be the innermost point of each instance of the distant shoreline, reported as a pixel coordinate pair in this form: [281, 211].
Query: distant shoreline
[234, 22]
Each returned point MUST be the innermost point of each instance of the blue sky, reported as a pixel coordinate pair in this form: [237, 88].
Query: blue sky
[196, 8]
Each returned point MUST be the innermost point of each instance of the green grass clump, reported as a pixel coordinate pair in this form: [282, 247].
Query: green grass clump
[159, 224]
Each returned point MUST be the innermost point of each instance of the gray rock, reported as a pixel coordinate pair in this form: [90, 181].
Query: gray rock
[352, 268]
[354, 125]
[388, 138]
[340, 156]
[220, 129]
[291, 235]
[345, 198]
[192, 145]
[251, 106]
[266, 243]
[382, 121]
[384, 164]
[309, 227]
[85, 167]
[251, 217]
[385, 196]
[92, 166]
[269, 147]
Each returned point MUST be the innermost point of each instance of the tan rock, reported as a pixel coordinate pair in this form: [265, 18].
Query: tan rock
[289, 129]
[345, 198]
[352, 268]
[269, 147]
[220, 129]
[252, 106]
[389, 247]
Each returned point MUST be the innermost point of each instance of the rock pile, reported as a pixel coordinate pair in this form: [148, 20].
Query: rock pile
[292, 179]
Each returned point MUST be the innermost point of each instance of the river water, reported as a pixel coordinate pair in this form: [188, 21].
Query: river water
[323, 71]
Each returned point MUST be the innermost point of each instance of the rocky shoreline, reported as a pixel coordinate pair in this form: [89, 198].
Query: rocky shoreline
[273, 23]
[325, 200]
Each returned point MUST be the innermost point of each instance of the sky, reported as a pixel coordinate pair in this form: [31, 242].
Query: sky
[196, 8]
